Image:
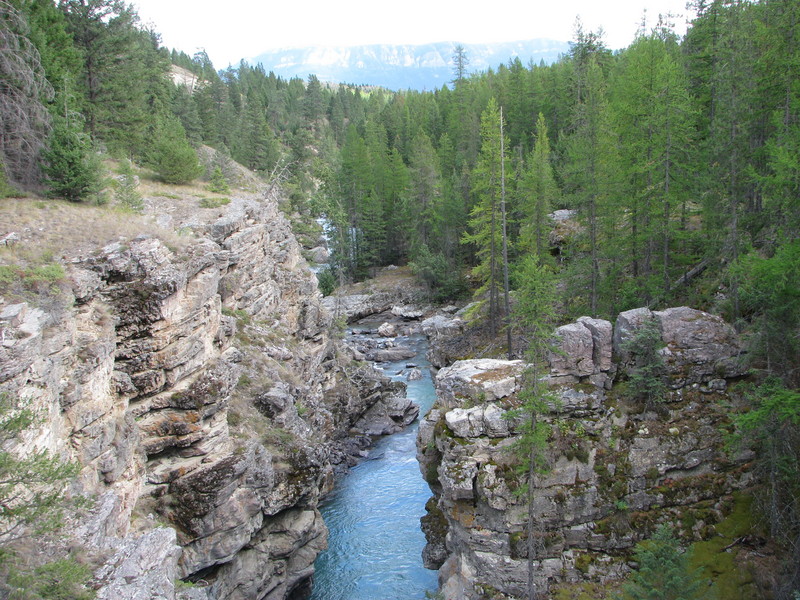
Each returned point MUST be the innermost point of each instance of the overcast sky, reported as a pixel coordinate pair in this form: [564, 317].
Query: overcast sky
[230, 30]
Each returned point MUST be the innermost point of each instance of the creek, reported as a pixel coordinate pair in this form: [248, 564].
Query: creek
[375, 541]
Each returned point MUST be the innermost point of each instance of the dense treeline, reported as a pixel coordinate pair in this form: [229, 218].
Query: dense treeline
[679, 157]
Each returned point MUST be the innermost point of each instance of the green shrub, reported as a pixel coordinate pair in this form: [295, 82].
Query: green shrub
[125, 192]
[327, 281]
[64, 579]
[218, 185]
[213, 202]
[647, 373]
[438, 275]
[663, 572]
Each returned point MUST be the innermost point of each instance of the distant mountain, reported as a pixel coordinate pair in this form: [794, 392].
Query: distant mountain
[420, 67]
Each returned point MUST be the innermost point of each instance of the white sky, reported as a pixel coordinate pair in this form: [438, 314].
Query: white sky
[230, 30]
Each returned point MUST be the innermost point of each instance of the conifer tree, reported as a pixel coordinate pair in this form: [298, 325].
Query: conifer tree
[663, 572]
[591, 175]
[538, 194]
[534, 316]
[125, 192]
[171, 155]
[425, 193]
[485, 219]
[655, 118]
[24, 90]
[72, 168]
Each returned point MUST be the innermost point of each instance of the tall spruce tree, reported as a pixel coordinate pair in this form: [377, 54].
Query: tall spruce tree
[485, 219]
[534, 316]
[590, 174]
[539, 193]
[654, 115]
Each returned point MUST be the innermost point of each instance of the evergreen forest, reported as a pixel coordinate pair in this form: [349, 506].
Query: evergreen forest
[672, 168]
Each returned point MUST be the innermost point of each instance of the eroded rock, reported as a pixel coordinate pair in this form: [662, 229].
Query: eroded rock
[608, 468]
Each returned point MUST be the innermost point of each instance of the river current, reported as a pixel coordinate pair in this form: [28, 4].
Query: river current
[375, 541]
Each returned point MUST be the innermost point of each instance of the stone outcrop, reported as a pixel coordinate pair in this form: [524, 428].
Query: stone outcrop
[618, 465]
[197, 384]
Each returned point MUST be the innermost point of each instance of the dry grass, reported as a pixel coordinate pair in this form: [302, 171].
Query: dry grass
[49, 230]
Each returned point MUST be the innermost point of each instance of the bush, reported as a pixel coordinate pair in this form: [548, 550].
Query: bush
[64, 579]
[327, 281]
[213, 202]
[647, 374]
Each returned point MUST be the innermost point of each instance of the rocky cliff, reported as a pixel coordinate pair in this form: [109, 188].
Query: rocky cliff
[200, 390]
[618, 465]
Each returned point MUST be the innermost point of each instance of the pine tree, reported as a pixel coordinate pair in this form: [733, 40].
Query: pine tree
[655, 118]
[539, 192]
[425, 196]
[31, 486]
[460, 64]
[72, 169]
[534, 316]
[124, 79]
[485, 218]
[663, 572]
[591, 176]
[125, 192]
[171, 156]
[218, 183]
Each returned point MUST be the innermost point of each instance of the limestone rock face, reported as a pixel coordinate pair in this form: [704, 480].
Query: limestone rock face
[617, 469]
[698, 346]
[148, 560]
[137, 373]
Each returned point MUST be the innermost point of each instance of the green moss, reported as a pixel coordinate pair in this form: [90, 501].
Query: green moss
[432, 474]
[583, 562]
[717, 559]
[583, 591]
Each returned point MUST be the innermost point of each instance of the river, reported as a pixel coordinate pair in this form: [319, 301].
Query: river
[375, 541]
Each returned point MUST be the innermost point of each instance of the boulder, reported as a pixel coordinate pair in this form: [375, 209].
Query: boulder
[481, 380]
[387, 330]
[407, 312]
[602, 339]
[699, 346]
[442, 325]
[488, 420]
[387, 416]
[414, 375]
[390, 354]
[320, 255]
[627, 323]
[574, 352]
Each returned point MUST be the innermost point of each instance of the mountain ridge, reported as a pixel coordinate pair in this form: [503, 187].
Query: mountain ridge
[401, 66]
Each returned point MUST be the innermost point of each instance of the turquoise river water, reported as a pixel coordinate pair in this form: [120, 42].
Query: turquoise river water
[375, 541]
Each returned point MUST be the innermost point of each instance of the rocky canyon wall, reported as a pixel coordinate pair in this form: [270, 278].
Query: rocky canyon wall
[197, 384]
[618, 465]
